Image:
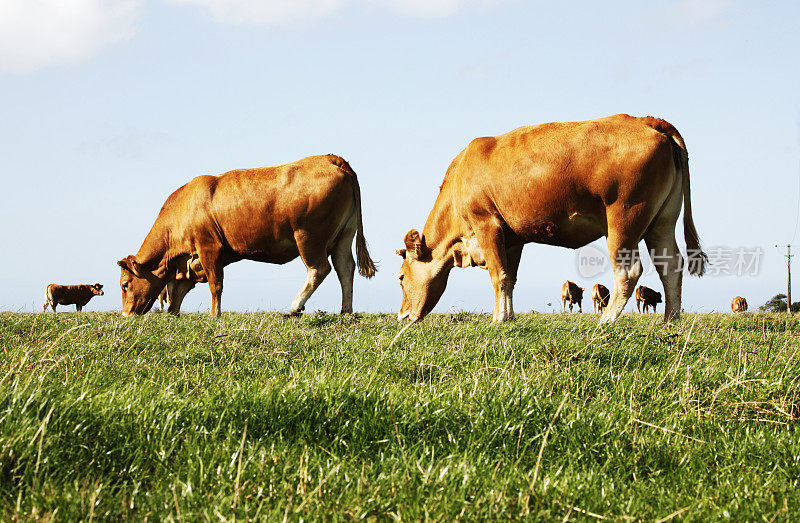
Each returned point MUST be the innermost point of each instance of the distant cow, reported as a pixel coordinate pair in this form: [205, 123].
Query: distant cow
[78, 295]
[600, 296]
[571, 293]
[739, 304]
[647, 297]
[310, 208]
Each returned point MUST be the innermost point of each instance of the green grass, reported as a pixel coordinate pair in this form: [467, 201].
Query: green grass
[265, 417]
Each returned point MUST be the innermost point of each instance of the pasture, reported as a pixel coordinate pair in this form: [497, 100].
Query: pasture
[260, 416]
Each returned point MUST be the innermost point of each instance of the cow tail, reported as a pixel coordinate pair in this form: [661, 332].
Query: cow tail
[48, 297]
[366, 267]
[698, 260]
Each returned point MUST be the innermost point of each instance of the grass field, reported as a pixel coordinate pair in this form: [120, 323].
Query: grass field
[265, 417]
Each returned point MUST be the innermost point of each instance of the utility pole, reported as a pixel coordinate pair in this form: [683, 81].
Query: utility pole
[788, 278]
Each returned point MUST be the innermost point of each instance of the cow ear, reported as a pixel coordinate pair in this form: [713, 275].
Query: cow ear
[415, 245]
[132, 265]
[401, 253]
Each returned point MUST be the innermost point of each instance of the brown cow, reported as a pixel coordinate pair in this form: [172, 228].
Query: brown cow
[739, 304]
[571, 293]
[78, 295]
[647, 297]
[600, 296]
[563, 184]
[309, 208]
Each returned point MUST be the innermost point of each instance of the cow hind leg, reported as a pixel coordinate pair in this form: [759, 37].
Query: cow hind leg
[314, 256]
[345, 267]
[668, 261]
[624, 255]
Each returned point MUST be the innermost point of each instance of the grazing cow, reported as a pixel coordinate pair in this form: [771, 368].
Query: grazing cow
[78, 295]
[647, 297]
[571, 293]
[739, 304]
[600, 296]
[309, 208]
[563, 184]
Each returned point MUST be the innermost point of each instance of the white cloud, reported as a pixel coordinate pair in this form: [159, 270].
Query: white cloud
[266, 12]
[696, 12]
[434, 8]
[279, 12]
[705, 11]
[36, 34]
[40, 33]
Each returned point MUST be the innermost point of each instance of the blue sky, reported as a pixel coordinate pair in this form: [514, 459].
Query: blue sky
[108, 106]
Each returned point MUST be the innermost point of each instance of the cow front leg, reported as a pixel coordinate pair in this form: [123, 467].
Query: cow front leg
[176, 291]
[490, 238]
[513, 258]
[211, 262]
[215, 286]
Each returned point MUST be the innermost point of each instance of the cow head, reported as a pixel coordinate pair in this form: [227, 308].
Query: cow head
[97, 289]
[657, 297]
[422, 278]
[140, 287]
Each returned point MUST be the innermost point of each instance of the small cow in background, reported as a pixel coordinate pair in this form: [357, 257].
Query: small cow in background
[571, 293]
[739, 304]
[78, 295]
[600, 296]
[647, 297]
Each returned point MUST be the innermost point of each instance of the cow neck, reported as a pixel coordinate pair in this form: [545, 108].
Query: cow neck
[152, 253]
[442, 229]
